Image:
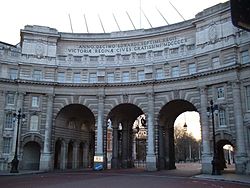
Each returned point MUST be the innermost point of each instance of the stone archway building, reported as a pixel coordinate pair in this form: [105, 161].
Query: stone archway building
[196, 61]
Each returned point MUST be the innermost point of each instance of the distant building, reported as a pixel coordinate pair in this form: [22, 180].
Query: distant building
[69, 84]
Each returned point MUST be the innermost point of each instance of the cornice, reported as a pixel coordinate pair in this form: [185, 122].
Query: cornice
[127, 84]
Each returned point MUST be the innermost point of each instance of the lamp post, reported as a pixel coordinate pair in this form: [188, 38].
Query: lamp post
[15, 161]
[120, 144]
[215, 161]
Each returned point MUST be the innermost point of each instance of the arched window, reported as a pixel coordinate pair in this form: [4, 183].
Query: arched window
[34, 123]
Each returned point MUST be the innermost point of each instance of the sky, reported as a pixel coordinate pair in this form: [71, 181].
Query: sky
[192, 120]
[15, 14]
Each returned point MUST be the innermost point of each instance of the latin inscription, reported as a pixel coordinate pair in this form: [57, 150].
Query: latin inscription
[126, 48]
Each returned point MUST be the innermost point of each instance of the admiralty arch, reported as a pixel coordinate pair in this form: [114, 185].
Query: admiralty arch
[72, 87]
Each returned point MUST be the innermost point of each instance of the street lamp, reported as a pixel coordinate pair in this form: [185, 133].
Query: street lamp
[15, 161]
[120, 144]
[215, 162]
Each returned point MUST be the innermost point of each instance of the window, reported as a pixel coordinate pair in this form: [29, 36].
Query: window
[34, 123]
[141, 75]
[220, 92]
[125, 76]
[13, 73]
[77, 77]
[6, 145]
[175, 71]
[248, 97]
[8, 121]
[245, 58]
[92, 78]
[159, 74]
[191, 68]
[35, 101]
[216, 62]
[110, 77]
[61, 77]
[222, 118]
[37, 75]
[10, 99]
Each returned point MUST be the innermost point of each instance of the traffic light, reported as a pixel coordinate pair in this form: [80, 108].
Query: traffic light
[240, 13]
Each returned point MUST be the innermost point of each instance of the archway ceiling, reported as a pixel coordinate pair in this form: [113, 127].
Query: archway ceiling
[125, 112]
[78, 112]
[173, 109]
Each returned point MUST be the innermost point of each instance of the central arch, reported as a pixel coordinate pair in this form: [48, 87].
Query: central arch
[122, 118]
[74, 137]
[166, 119]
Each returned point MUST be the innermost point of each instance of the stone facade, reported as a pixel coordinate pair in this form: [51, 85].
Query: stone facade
[70, 85]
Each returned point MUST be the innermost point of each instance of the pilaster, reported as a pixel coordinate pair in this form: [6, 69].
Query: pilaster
[46, 155]
[206, 152]
[151, 157]
[240, 139]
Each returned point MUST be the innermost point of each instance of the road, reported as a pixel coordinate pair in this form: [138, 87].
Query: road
[110, 179]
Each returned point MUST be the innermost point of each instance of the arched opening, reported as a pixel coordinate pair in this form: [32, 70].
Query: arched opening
[166, 120]
[31, 156]
[226, 156]
[187, 139]
[120, 135]
[75, 125]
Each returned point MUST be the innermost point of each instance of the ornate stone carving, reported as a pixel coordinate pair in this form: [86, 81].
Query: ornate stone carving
[39, 50]
[212, 32]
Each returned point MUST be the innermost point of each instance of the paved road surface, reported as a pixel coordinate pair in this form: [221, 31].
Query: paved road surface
[110, 179]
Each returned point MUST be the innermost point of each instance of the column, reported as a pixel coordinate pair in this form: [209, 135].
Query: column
[114, 160]
[161, 152]
[85, 154]
[64, 155]
[125, 143]
[151, 158]
[75, 160]
[206, 153]
[46, 155]
[240, 137]
[100, 124]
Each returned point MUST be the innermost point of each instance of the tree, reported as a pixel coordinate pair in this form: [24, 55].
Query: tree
[186, 146]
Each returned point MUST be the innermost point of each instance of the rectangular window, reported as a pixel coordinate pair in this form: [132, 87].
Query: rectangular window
[37, 75]
[191, 68]
[245, 58]
[220, 92]
[140, 75]
[92, 78]
[248, 97]
[9, 121]
[61, 77]
[6, 145]
[222, 118]
[159, 74]
[125, 76]
[77, 77]
[216, 62]
[110, 77]
[35, 101]
[34, 123]
[10, 99]
[13, 73]
[175, 71]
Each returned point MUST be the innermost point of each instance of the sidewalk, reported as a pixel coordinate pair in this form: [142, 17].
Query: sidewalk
[22, 172]
[226, 177]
